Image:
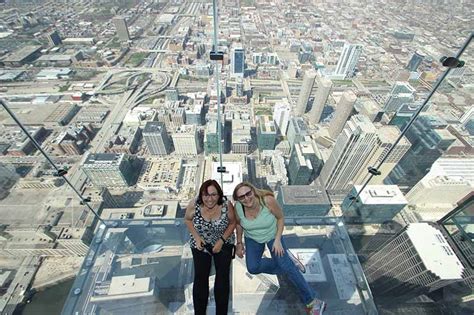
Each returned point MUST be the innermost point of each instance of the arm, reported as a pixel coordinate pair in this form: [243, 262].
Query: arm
[229, 230]
[276, 210]
[239, 246]
[188, 220]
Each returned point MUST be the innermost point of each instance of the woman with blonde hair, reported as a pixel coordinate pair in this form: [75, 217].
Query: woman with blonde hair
[260, 217]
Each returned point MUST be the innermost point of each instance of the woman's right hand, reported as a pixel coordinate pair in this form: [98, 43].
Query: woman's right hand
[240, 250]
[200, 243]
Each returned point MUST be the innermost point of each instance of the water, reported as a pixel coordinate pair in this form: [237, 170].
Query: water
[49, 301]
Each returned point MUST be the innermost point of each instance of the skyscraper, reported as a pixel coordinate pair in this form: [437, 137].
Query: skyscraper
[343, 111]
[297, 130]
[448, 181]
[266, 133]
[211, 138]
[186, 140]
[418, 260]
[429, 137]
[304, 163]
[156, 138]
[108, 169]
[386, 138]
[54, 39]
[238, 61]
[347, 62]
[415, 61]
[122, 29]
[350, 157]
[324, 86]
[305, 92]
[281, 115]
[402, 93]
[376, 204]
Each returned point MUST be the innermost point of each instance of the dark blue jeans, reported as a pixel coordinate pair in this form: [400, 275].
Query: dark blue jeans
[276, 266]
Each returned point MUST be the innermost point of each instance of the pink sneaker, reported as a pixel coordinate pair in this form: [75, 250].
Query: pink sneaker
[316, 307]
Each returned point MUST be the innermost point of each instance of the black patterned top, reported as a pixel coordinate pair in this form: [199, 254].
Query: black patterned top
[211, 231]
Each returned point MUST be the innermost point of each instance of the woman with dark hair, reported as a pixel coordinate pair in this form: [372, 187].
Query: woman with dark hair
[261, 218]
[211, 222]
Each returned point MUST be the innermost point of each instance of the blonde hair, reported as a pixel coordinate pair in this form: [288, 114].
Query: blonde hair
[259, 193]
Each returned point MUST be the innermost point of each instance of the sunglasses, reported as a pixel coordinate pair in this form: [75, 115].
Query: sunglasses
[247, 194]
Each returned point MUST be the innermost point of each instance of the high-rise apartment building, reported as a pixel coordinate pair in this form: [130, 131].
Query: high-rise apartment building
[447, 182]
[54, 39]
[238, 61]
[415, 61]
[387, 135]
[343, 111]
[402, 93]
[324, 86]
[375, 204]
[304, 162]
[418, 260]
[347, 62]
[350, 157]
[186, 140]
[429, 138]
[297, 130]
[266, 133]
[108, 169]
[211, 138]
[156, 138]
[305, 92]
[281, 115]
[304, 200]
[122, 29]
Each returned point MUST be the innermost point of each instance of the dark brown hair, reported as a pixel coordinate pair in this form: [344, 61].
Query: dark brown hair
[204, 188]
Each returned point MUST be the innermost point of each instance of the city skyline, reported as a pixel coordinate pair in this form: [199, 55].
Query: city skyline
[135, 103]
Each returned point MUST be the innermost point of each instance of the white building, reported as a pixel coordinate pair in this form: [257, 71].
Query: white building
[347, 61]
[324, 86]
[448, 181]
[350, 157]
[281, 115]
[375, 204]
[416, 261]
[305, 92]
[186, 140]
[343, 110]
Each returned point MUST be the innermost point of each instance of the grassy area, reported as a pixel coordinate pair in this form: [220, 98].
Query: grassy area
[84, 74]
[342, 82]
[114, 43]
[65, 87]
[136, 59]
[248, 3]
[263, 111]
[190, 78]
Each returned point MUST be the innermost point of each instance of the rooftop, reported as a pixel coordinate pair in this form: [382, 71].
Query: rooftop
[434, 251]
[304, 195]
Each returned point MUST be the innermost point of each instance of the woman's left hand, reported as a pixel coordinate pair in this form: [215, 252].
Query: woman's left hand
[277, 248]
[217, 247]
